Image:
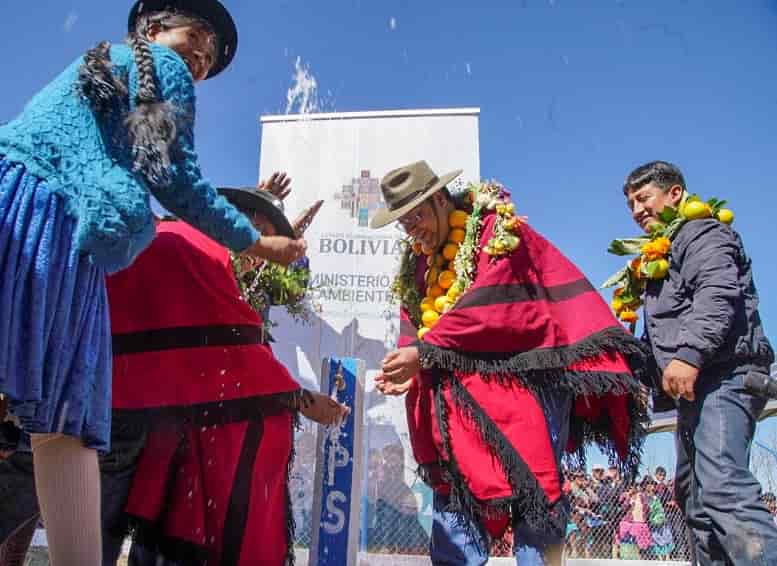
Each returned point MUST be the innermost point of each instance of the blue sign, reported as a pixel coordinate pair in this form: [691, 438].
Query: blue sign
[336, 500]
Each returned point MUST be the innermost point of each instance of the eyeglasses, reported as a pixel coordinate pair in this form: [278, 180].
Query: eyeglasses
[410, 220]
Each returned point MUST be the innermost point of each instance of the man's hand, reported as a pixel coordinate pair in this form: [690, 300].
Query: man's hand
[278, 185]
[680, 379]
[401, 365]
[278, 249]
[389, 387]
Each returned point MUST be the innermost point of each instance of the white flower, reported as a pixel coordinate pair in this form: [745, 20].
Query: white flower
[485, 200]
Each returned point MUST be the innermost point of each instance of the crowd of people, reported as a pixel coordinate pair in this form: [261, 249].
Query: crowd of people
[613, 518]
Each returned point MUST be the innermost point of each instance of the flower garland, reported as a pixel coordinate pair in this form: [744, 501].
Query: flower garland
[452, 268]
[270, 284]
[653, 250]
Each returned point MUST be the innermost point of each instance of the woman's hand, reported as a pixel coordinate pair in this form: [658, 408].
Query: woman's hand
[278, 249]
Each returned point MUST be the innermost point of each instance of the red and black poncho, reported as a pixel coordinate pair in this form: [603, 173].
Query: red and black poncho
[211, 484]
[530, 322]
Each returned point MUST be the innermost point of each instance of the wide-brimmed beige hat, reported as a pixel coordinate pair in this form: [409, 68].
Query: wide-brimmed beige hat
[407, 187]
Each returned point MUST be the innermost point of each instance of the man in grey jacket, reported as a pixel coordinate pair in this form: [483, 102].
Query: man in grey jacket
[703, 327]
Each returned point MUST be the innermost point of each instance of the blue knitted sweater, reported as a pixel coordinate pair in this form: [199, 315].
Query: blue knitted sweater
[89, 164]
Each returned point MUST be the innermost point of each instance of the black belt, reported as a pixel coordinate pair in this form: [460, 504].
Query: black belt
[187, 337]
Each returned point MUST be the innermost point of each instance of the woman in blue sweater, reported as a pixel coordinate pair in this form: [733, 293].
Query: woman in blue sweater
[77, 168]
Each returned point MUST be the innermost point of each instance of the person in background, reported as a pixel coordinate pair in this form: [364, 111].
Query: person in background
[662, 541]
[597, 475]
[634, 538]
[662, 489]
[609, 494]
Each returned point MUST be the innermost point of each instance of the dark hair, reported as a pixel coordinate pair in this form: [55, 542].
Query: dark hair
[660, 470]
[661, 173]
[152, 125]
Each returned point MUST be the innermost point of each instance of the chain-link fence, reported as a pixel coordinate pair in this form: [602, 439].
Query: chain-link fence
[609, 518]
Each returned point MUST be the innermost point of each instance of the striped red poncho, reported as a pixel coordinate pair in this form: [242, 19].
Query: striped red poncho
[530, 322]
[212, 482]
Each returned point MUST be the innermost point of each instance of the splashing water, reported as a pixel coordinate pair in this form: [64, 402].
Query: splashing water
[70, 22]
[393, 23]
[302, 97]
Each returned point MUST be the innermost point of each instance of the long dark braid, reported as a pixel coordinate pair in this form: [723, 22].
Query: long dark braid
[97, 83]
[152, 124]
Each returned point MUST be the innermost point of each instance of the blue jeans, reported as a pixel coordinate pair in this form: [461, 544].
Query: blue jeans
[19, 504]
[720, 496]
[450, 545]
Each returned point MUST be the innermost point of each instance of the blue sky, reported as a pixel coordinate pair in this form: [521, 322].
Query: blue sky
[573, 94]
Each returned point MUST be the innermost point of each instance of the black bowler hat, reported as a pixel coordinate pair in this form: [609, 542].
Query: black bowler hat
[251, 200]
[212, 11]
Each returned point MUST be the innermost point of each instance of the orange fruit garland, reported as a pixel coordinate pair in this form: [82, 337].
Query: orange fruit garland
[449, 251]
[456, 235]
[430, 318]
[434, 291]
[441, 291]
[458, 219]
[446, 279]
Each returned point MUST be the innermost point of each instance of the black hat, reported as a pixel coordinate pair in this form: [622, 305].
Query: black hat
[251, 200]
[211, 11]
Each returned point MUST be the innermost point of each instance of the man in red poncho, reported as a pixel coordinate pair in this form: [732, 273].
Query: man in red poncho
[191, 358]
[509, 357]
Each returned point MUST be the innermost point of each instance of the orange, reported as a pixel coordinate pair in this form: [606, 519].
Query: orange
[431, 275]
[427, 304]
[440, 303]
[696, 209]
[726, 216]
[446, 279]
[434, 291]
[456, 235]
[458, 219]
[625, 316]
[449, 251]
[659, 268]
[439, 261]
[454, 292]
[430, 318]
